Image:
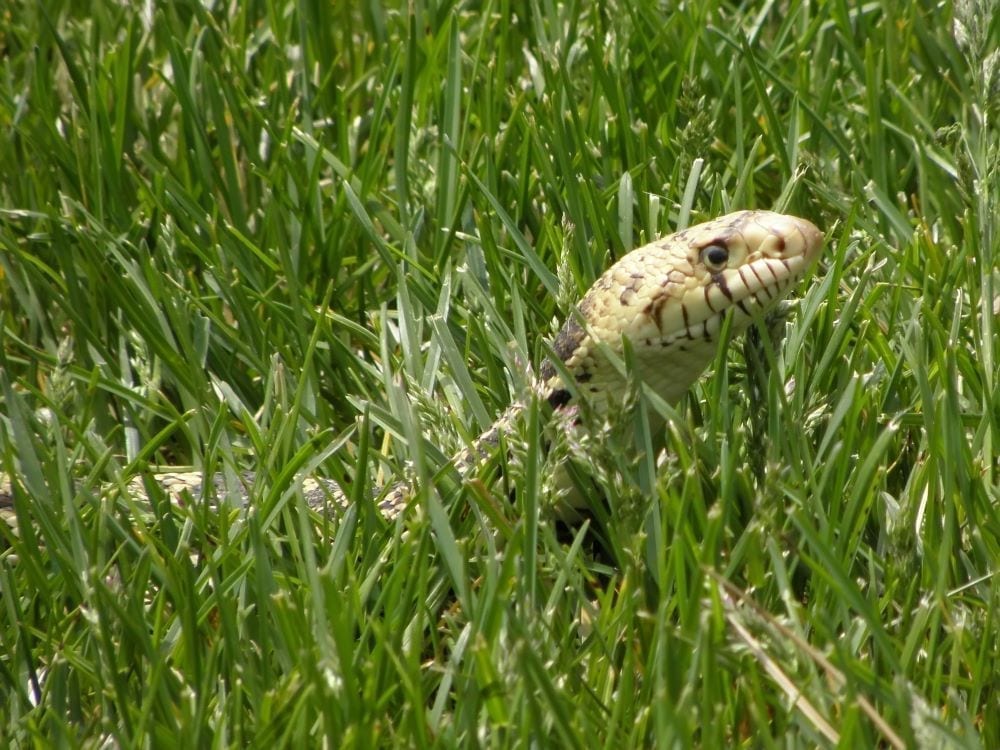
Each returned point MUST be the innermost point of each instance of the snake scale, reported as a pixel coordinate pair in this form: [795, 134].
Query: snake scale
[669, 299]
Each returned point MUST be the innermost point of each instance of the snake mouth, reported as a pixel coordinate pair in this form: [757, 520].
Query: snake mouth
[768, 254]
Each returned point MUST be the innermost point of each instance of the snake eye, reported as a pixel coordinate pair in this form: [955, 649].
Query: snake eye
[715, 257]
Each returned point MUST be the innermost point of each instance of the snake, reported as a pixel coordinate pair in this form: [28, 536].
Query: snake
[667, 301]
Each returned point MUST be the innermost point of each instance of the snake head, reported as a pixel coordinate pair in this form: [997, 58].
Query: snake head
[669, 299]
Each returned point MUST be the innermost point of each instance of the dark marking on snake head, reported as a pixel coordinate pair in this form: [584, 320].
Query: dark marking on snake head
[653, 309]
[568, 340]
[708, 297]
[631, 289]
[720, 281]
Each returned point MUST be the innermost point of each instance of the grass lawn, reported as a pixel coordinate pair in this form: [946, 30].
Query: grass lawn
[338, 237]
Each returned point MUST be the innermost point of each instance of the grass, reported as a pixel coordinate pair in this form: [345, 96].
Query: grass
[289, 237]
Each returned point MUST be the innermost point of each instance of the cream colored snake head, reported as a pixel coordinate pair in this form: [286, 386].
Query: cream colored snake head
[669, 299]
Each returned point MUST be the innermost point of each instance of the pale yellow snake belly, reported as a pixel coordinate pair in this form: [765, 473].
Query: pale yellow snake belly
[669, 299]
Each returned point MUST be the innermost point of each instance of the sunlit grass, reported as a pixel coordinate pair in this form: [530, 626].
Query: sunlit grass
[287, 238]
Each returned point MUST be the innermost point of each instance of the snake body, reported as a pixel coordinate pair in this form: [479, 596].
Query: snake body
[668, 299]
